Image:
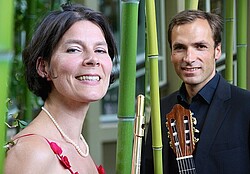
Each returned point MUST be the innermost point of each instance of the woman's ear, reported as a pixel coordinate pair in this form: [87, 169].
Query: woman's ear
[42, 68]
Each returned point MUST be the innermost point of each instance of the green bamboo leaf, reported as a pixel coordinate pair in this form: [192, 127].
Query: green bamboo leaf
[9, 126]
[15, 115]
[14, 124]
[22, 123]
[18, 76]
[8, 101]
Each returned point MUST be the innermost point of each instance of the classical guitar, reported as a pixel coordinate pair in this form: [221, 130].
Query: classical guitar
[182, 141]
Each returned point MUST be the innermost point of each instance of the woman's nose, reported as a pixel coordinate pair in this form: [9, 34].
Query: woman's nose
[91, 60]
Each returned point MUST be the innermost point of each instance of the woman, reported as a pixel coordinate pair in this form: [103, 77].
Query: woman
[68, 64]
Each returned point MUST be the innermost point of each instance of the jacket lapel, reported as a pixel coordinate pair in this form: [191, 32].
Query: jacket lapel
[215, 117]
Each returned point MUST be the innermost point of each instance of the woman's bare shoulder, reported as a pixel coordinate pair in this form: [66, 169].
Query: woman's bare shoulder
[29, 154]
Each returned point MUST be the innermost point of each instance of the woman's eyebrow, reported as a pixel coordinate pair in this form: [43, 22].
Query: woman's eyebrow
[77, 41]
[74, 41]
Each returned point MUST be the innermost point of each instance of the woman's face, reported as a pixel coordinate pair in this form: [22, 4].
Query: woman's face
[80, 65]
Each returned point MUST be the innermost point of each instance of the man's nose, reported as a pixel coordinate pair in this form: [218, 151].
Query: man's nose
[189, 56]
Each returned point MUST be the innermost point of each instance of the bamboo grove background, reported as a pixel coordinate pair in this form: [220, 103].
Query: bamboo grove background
[19, 16]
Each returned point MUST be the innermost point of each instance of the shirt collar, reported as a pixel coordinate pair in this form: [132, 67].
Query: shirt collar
[206, 93]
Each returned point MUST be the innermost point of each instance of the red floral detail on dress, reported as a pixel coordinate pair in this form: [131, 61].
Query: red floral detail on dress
[64, 160]
[100, 169]
[58, 151]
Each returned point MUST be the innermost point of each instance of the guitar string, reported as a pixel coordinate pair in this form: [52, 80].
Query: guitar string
[180, 154]
[186, 170]
[186, 163]
[191, 161]
[178, 149]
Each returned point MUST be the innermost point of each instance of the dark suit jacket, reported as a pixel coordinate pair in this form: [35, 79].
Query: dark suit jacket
[224, 145]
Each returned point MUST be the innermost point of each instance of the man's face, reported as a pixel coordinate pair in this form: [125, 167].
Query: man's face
[193, 53]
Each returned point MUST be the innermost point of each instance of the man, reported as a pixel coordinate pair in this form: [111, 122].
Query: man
[221, 109]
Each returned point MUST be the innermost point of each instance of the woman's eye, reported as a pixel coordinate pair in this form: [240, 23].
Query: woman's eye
[103, 51]
[73, 50]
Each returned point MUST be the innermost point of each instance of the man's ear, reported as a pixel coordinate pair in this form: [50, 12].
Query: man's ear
[42, 68]
[217, 52]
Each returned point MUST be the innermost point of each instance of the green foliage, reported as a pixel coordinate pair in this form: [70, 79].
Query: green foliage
[28, 14]
[16, 122]
[13, 120]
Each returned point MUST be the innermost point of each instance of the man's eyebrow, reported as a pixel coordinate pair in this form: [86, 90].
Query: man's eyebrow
[202, 42]
[176, 44]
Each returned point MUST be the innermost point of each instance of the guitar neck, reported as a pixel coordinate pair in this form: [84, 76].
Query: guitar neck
[186, 165]
[181, 133]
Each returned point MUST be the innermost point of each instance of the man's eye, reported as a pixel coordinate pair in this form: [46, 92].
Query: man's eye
[201, 47]
[179, 47]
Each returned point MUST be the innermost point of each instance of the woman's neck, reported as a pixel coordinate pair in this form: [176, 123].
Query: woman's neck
[69, 116]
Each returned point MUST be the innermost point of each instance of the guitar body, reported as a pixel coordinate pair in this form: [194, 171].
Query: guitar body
[182, 141]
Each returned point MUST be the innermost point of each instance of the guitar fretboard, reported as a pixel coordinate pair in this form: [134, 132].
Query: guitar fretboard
[186, 165]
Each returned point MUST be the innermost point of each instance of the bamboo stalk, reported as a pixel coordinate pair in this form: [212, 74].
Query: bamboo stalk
[242, 43]
[229, 40]
[154, 85]
[4, 66]
[30, 24]
[127, 79]
[191, 4]
[6, 49]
